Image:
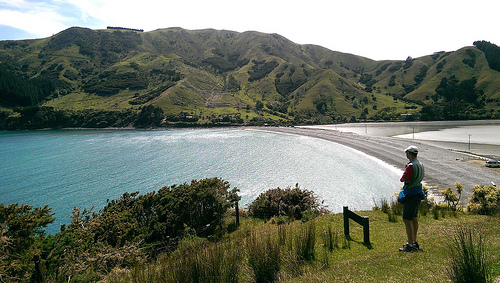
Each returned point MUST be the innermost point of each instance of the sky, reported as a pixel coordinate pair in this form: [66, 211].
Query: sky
[376, 29]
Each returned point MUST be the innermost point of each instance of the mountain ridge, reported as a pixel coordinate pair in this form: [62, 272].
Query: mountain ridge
[215, 75]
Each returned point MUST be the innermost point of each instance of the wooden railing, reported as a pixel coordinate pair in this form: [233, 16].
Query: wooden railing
[361, 220]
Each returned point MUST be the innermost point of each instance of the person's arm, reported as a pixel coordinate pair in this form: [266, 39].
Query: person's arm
[407, 174]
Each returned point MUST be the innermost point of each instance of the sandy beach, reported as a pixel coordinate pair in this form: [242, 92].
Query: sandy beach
[443, 166]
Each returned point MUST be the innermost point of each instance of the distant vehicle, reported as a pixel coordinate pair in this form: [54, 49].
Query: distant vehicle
[492, 163]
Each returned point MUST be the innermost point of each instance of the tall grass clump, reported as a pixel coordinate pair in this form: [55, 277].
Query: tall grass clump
[305, 240]
[396, 208]
[193, 263]
[435, 211]
[283, 235]
[264, 257]
[467, 253]
[331, 239]
[392, 209]
[427, 203]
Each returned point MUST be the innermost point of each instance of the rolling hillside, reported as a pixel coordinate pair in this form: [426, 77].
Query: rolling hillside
[216, 77]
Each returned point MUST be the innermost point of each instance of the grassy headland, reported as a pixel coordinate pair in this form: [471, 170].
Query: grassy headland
[349, 260]
[188, 233]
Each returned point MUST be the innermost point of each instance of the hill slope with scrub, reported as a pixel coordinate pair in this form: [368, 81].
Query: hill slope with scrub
[218, 76]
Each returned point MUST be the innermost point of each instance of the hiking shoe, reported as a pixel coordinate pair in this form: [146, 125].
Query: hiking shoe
[415, 244]
[408, 248]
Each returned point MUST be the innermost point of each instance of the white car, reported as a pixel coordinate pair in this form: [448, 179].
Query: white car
[492, 163]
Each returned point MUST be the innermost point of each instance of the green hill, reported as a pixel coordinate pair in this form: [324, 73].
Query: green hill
[218, 76]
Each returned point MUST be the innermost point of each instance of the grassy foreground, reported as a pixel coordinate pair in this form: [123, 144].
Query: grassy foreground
[384, 263]
[342, 261]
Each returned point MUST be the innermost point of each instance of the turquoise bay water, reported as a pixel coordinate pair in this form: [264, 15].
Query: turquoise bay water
[82, 168]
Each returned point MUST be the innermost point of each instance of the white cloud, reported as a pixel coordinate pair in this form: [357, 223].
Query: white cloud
[41, 23]
[383, 29]
[13, 3]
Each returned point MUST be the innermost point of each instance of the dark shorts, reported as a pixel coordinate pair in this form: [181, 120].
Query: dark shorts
[410, 208]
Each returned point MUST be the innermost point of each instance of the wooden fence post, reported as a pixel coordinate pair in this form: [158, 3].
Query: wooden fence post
[346, 222]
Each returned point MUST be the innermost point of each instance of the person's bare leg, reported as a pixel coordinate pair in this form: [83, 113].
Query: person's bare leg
[409, 230]
[414, 224]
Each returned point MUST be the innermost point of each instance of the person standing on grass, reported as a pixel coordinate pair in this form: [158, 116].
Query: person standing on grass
[411, 196]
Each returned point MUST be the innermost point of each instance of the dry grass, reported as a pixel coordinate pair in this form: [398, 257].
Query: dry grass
[480, 162]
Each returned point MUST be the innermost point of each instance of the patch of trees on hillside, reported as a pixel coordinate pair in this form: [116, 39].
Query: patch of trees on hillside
[471, 61]
[260, 69]
[491, 52]
[150, 117]
[122, 28]
[41, 117]
[16, 90]
[110, 83]
[160, 80]
[455, 99]
[289, 79]
[220, 64]
[368, 81]
[103, 46]
[451, 89]
[231, 84]
[419, 77]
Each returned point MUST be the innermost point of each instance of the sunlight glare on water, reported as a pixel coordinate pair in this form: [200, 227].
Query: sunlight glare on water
[82, 168]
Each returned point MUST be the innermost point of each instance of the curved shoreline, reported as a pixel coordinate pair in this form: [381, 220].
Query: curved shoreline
[443, 167]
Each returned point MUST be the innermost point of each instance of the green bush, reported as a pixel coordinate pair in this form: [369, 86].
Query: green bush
[135, 227]
[21, 232]
[484, 200]
[450, 197]
[291, 202]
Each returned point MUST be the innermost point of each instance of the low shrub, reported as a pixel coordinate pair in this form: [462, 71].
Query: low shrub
[295, 203]
[484, 200]
[451, 198]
